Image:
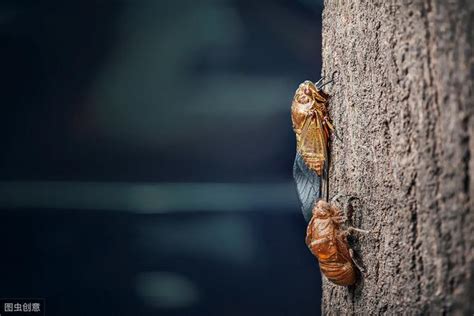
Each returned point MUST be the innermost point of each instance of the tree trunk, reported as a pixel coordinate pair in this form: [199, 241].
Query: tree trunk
[402, 104]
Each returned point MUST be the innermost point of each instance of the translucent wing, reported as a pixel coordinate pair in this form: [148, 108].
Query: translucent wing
[310, 186]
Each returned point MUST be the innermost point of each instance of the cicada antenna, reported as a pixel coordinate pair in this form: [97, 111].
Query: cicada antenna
[322, 85]
[319, 84]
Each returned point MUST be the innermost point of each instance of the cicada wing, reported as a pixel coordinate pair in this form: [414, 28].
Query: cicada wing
[313, 143]
[308, 185]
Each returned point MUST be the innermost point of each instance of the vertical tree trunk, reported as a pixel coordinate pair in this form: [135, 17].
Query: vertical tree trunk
[403, 107]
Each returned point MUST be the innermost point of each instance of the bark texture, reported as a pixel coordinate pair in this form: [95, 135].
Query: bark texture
[402, 104]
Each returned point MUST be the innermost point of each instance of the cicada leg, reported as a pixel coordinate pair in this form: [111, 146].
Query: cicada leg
[361, 269]
[331, 127]
[350, 230]
[358, 230]
[341, 217]
[328, 123]
[344, 234]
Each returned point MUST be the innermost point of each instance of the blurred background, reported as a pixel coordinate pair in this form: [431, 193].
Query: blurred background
[147, 154]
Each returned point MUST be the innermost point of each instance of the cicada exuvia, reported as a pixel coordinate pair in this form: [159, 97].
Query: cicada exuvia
[326, 237]
[328, 242]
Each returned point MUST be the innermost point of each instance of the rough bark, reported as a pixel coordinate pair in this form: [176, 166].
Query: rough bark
[403, 106]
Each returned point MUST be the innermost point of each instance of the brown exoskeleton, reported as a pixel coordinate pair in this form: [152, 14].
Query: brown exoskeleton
[311, 124]
[328, 242]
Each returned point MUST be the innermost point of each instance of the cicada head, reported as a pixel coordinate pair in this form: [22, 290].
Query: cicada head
[307, 93]
[322, 210]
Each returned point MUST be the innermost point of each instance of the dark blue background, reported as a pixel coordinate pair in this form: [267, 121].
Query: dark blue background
[97, 94]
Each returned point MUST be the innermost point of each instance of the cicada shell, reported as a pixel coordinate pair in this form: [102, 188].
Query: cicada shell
[328, 242]
[311, 124]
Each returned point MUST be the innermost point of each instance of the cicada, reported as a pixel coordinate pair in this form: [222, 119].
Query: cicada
[312, 126]
[328, 242]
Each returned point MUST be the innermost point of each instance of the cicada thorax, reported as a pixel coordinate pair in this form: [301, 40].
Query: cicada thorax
[310, 123]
